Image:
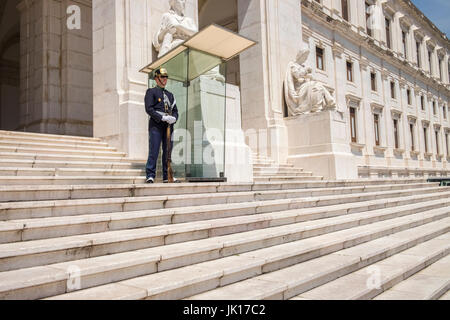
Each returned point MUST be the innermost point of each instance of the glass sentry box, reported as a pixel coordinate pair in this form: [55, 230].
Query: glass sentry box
[197, 78]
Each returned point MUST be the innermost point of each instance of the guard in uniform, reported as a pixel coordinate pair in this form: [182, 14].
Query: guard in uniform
[159, 104]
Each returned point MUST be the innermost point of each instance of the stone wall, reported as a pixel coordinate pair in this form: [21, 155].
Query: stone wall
[122, 38]
[55, 68]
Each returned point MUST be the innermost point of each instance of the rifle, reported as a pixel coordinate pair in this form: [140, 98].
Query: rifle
[169, 149]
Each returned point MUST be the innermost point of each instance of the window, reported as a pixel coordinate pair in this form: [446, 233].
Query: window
[353, 124]
[404, 43]
[373, 81]
[392, 89]
[444, 112]
[436, 133]
[376, 124]
[368, 20]
[396, 133]
[447, 144]
[408, 96]
[411, 132]
[388, 33]
[418, 54]
[344, 8]
[440, 68]
[422, 102]
[349, 71]
[319, 58]
[434, 107]
[430, 62]
[425, 139]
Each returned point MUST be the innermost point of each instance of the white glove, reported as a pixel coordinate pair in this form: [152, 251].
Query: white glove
[169, 119]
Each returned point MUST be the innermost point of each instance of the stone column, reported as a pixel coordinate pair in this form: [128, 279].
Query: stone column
[445, 70]
[412, 45]
[276, 26]
[425, 60]
[434, 57]
[56, 68]
[396, 33]
[122, 45]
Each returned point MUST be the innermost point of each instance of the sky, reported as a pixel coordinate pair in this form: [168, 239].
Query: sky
[438, 11]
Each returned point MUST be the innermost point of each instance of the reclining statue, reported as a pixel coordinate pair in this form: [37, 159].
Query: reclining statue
[302, 94]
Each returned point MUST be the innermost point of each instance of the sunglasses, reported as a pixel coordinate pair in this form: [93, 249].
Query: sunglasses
[164, 77]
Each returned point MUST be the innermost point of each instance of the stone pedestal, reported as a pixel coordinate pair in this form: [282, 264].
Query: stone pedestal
[218, 143]
[318, 142]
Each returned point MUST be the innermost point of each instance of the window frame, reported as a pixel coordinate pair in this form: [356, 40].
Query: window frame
[411, 134]
[320, 58]
[353, 125]
[373, 81]
[376, 124]
[393, 91]
[396, 136]
[425, 138]
[388, 32]
[349, 65]
[345, 10]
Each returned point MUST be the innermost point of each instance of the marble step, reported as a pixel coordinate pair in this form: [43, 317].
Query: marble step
[60, 157]
[431, 283]
[10, 193]
[281, 166]
[48, 145]
[282, 174]
[67, 180]
[242, 217]
[20, 139]
[19, 134]
[293, 199]
[446, 296]
[406, 271]
[60, 151]
[30, 163]
[284, 178]
[197, 278]
[33, 253]
[80, 172]
[264, 163]
[276, 170]
[299, 278]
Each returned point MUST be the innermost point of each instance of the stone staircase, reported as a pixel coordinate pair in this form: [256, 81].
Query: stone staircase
[266, 169]
[83, 225]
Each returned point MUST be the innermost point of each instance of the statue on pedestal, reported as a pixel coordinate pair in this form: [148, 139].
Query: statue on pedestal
[302, 94]
[174, 29]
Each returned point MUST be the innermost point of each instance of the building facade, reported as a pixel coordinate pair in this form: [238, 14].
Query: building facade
[72, 67]
[389, 65]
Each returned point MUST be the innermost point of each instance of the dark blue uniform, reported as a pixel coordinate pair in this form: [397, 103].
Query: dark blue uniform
[154, 103]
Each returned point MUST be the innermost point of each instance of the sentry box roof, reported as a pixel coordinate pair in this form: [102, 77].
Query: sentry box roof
[213, 40]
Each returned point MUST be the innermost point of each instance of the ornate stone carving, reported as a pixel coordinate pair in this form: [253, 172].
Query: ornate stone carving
[175, 28]
[303, 94]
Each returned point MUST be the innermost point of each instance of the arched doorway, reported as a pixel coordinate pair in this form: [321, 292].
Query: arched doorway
[9, 65]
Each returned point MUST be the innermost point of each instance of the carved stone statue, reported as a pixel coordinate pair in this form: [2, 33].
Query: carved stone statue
[174, 29]
[302, 94]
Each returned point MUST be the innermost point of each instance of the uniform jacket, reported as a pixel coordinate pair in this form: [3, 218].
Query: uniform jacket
[154, 101]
